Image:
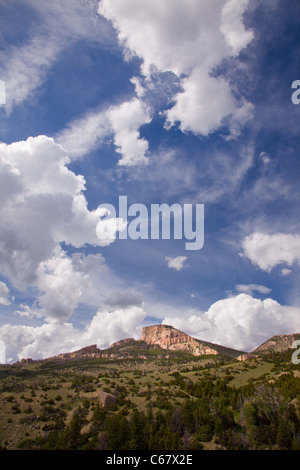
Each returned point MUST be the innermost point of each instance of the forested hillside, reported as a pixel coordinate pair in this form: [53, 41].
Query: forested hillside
[201, 404]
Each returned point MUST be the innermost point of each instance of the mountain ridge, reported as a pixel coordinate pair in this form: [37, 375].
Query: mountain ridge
[277, 343]
[169, 339]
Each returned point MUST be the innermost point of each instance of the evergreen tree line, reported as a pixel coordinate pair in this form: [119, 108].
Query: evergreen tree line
[260, 416]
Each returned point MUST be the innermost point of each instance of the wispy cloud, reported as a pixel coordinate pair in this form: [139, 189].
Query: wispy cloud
[25, 67]
[251, 288]
[85, 134]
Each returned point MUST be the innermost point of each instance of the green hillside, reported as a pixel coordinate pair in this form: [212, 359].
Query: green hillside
[162, 400]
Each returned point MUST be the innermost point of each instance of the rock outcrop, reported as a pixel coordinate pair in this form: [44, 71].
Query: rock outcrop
[122, 342]
[107, 400]
[170, 338]
[27, 360]
[245, 357]
[167, 337]
[277, 343]
[88, 351]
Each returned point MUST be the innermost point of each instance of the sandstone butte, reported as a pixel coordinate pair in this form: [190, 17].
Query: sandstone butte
[168, 337]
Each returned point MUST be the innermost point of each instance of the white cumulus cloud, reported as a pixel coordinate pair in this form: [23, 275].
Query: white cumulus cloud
[188, 40]
[4, 292]
[42, 205]
[120, 123]
[177, 263]
[240, 322]
[269, 250]
[126, 119]
[237, 37]
[52, 338]
[108, 326]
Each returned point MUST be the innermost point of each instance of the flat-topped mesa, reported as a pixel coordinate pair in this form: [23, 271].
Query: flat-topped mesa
[164, 335]
[170, 338]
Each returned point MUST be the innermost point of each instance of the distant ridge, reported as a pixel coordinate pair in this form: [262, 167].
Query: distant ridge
[277, 343]
[169, 339]
[163, 337]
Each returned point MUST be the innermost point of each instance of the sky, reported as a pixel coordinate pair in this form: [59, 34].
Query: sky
[192, 103]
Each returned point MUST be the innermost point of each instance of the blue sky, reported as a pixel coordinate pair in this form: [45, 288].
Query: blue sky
[169, 102]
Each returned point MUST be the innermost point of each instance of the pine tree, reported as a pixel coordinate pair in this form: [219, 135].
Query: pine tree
[71, 438]
[137, 436]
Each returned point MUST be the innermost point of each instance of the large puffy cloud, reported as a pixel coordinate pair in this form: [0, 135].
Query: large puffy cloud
[189, 40]
[240, 322]
[61, 286]
[40, 342]
[43, 205]
[179, 46]
[109, 326]
[176, 36]
[205, 103]
[37, 341]
[269, 250]
[104, 286]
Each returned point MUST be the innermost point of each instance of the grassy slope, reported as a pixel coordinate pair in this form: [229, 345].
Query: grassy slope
[32, 395]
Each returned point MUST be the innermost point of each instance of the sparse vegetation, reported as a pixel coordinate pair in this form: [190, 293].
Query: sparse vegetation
[179, 402]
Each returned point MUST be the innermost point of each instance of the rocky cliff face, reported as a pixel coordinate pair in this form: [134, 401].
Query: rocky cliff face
[88, 351]
[122, 342]
[277, 343]
[167, 337]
